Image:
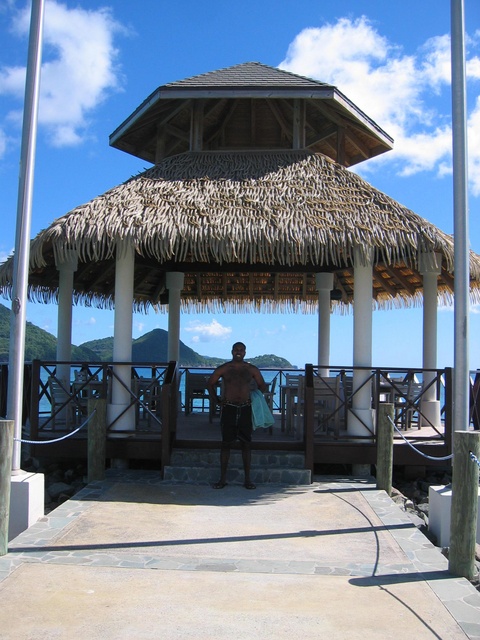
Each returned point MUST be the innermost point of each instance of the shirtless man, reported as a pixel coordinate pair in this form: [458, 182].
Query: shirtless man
[236, 410]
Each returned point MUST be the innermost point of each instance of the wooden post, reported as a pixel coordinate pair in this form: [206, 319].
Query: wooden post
[308, 419]
[6, 452]
[463, 519]
[97, 438]
[385, 447]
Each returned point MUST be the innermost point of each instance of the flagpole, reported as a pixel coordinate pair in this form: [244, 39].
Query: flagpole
[461, 386]
[22, 238]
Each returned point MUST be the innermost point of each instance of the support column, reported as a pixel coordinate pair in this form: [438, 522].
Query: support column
[362, 345]
[66, 265]
[430, 266]
[174, 283]
[324, 284]
[122, 339]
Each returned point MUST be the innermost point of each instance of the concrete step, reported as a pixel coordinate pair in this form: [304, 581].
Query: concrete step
[197, 466]
[211, 457]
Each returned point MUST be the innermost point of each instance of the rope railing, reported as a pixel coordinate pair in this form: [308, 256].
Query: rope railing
[67, 435]
[475, 459]
[424, 455]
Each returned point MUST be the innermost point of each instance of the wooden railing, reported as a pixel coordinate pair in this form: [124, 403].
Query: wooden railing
[383, 385]
[46, 411]
[315, 433]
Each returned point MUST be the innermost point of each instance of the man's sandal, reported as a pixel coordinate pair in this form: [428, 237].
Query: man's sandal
[250, 485]
[219, 485]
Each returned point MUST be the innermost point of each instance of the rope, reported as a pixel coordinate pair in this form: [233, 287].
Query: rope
[475, 459]
[417, 450]
[68, 435]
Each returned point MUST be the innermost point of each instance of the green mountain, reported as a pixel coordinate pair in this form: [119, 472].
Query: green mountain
[39, 344]
[151, 347]
[270, 362]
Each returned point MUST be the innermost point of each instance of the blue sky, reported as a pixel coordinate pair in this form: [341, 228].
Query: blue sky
[101, 60]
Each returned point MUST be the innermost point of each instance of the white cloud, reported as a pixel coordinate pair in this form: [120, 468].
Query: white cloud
[91, 321]
[78, 69]
[203, 332]
[276, 330]
[404, 94]
[139, 326]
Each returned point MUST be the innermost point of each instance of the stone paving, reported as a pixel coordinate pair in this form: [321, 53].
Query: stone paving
[384, 547]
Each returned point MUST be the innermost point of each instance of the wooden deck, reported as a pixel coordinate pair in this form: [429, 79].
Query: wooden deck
[196, 431]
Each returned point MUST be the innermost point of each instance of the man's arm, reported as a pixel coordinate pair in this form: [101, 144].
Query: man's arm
[257, 376]
[212, 384]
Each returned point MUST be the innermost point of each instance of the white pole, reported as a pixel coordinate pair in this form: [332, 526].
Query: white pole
[175, 282]
[362, 343]
[461, 382]
[430, 266]
[22, 237]
[66, 267]
[122, 337]
[324, 284]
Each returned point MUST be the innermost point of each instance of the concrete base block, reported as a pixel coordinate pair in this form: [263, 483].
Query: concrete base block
[440, 504]
[361, 470]
[27, 502]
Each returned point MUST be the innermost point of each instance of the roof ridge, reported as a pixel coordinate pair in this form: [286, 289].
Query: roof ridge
[231, 71]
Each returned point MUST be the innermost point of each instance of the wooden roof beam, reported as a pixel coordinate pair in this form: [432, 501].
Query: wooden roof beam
[103, 275]
[396, 275]
[198, 280]
[154, 120]
[253, 122]
[338, 285]
[447, 278]
[298, 141]
[287, 130]
[327, 132]
[384, 284]
[159, 289]
[360, 146]
[328, 112]
[177, 133]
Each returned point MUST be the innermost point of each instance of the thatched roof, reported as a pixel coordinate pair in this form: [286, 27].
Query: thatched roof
[249, 229]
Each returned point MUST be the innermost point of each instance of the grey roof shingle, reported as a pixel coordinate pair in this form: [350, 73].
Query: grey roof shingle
[248, 74]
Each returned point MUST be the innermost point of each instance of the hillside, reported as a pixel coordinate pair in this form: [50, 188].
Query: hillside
[151, 347]
[39, 344]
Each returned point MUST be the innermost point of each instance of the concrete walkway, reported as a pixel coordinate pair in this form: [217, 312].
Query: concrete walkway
[134, 557]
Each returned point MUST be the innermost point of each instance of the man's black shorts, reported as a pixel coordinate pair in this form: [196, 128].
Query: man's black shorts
[236, 422]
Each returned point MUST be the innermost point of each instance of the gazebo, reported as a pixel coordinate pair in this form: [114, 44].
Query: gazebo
[249, 204]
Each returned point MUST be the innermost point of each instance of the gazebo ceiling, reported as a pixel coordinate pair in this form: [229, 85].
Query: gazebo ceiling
[252, 106]
[248, 229]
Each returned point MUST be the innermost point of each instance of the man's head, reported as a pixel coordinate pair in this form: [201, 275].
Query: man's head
[238, 351]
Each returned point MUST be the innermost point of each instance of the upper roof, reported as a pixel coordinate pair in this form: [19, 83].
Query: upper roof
[250, 106]
[249, 74]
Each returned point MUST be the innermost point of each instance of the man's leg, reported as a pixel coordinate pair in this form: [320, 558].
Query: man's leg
[224, 458]
[247, 460]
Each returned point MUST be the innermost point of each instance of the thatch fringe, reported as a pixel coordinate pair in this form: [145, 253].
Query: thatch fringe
[274, 208]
